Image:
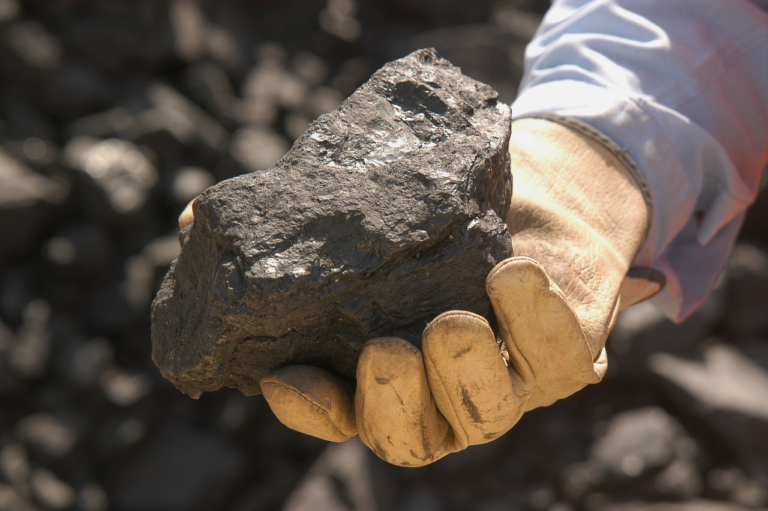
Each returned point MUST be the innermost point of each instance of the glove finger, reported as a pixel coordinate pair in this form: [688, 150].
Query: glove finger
[546, 344]
[311, 401]
[396, 415]
[470, 382]
[187, 216]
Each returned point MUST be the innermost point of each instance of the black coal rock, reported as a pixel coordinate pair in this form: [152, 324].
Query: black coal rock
[385, 213]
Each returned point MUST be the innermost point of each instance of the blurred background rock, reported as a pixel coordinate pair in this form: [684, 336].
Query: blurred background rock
[114, 114]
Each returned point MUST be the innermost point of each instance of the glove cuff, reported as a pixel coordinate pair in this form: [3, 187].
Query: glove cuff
[579, 210]
[587, 131]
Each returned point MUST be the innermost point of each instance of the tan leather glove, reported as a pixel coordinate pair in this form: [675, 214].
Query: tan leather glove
[187, 216]
[578, 216]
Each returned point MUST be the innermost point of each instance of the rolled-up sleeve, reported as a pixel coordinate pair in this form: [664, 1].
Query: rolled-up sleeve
[682, 86]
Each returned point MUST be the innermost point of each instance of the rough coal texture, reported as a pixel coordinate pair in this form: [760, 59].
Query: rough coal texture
[381, 216]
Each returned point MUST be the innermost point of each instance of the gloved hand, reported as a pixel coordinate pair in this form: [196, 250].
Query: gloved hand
[578, 216]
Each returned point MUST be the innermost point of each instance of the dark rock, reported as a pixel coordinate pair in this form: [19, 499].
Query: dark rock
[189, 182]
[642, 331]
[92, 497]
[423, 500]
[384, 214]
[16, 291]
[182, 118]
[296, 125]
[751, 494]
[235, 412]
[747, 277]
[322, 100]
[79, 248]
[542, 498]
[29, 203]
[726, 480]
[11, 499]
[53, 436]
[257, 148]
[29, 352]
[638, 440]
[734, 484]
[14, 464]
[693, 505]
[726, 389]
[22, 119]
[118, 121]
[32, 44]
[120, 433]
[39, 152]
[90, 361]
[125, 389]
[180, 470]
[72, 90]
[582, 477]
[115, 36]
[9, 9]
[190, 29]
[223, 48]
[144, 272]
[158, 112]
[338, 18]
[51, 491]
[270, 85]
[271, 490]
[62, 87]
[521, 22]
[6, 338]
[195, 36]
[680, 479]
[310, 68]
[352, 74]
[118, 167]
[340, 479]
[726, 379]
[209, 85]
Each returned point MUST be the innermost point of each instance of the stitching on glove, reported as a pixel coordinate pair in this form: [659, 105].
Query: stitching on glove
[305, 398]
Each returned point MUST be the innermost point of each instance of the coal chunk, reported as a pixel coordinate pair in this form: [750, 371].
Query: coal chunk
[383, 214]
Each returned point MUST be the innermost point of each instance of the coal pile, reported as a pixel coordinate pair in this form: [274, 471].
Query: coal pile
[114, 114]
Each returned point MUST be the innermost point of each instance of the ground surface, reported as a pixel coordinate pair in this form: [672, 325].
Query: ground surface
[114, 114]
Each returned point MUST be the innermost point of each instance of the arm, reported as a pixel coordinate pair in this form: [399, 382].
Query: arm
[683, 87]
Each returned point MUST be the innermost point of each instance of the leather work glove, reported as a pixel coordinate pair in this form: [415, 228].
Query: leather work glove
[577, 218]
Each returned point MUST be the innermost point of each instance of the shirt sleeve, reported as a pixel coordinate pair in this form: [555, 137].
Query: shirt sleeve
[682, 86]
